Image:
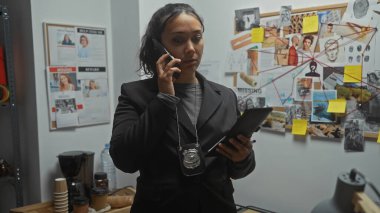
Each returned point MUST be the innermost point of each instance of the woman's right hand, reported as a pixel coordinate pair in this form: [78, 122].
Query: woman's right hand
[165, 73]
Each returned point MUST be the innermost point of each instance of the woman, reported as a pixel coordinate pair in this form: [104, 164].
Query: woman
[65, 83]
[93, 90]
[66, 40]
[163, 126]
[83, 50]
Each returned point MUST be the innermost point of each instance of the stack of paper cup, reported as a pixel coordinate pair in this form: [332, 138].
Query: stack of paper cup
[61, 201]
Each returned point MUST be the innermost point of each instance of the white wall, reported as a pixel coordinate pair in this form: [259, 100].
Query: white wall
[126, 42]
[51, 143]
[292, 174]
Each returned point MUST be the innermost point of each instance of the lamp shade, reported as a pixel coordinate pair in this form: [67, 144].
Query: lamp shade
[347, 184]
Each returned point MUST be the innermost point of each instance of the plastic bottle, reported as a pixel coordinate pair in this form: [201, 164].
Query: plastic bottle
[108, 166]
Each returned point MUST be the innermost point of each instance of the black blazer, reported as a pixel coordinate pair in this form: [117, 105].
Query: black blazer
[145, 139]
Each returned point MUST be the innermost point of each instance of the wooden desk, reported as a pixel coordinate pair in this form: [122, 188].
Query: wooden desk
[48, 207]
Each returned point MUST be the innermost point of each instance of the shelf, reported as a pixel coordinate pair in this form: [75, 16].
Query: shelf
[6, 38]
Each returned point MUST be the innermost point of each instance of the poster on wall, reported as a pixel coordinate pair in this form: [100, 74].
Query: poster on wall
[77, 75]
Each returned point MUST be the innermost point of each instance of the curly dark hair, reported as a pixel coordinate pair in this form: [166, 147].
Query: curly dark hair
[310, 37]
[148, 56]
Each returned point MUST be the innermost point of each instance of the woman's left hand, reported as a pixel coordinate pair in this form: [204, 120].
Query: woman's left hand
[242, 147]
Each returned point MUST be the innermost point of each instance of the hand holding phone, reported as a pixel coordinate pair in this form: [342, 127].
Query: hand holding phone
[162, 50]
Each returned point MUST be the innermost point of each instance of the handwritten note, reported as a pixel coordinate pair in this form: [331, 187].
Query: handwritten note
[310, 24]
[299, 127]
[352, 74]
[337, 106]
[257, 35]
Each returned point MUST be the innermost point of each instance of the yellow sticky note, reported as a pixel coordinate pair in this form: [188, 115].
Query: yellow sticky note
[299, 127]
[310, 24]
[378, 137]
[257, 35]
[337, 106]
[352, 74]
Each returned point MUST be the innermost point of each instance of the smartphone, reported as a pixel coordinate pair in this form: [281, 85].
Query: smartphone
[162, 50]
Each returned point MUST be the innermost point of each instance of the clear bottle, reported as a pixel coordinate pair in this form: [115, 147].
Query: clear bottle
[108, 167]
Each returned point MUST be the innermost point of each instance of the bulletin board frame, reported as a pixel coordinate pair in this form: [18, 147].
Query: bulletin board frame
[76, 75]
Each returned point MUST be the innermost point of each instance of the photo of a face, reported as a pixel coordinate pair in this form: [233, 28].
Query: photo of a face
[285, 14]
[359, 48]
[360, 8]
[351, 49]
[359, 12]
[332, 49]
[307, 43]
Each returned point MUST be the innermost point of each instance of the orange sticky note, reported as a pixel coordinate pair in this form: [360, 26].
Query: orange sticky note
[352, 74]
[299, 127]
[337, 106]
[257, 35]
[310, 24]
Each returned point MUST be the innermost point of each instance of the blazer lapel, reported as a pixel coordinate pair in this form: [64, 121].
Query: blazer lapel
[211, 102]
[184, 120]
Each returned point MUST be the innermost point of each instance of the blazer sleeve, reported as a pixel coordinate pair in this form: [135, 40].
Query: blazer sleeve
[245, 167]
[137, 129]
[242, 169]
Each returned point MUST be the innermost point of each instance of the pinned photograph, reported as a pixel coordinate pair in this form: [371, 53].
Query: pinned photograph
[297, 21]
[332, 50]
[93, 88]
[66, 112]
[354, 138]
[328, 20]
[326, 130]
[302, 109]
[285, 14]
[303, 88]
[373, 79]
[320, 104]
[308, 46]
[276, 121]
[246, 19]
[332, 76]
[358, 100]
[249, 98]
[282, 51]
[294, 42]
[359, 12]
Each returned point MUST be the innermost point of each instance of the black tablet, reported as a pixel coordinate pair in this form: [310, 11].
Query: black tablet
[247, 124]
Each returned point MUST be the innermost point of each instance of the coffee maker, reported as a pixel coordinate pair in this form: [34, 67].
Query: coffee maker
[78, 169]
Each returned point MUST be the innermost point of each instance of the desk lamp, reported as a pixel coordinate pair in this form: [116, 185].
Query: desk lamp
[348, 184]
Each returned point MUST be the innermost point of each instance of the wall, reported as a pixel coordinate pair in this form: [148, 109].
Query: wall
[126, 42]
[292, 174]
[122, 43]
[92, 138]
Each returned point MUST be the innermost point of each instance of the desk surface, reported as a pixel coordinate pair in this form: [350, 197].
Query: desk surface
[48, 207]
